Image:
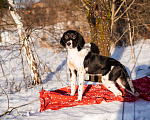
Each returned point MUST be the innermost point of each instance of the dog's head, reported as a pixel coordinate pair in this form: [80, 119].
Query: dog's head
[72, 39]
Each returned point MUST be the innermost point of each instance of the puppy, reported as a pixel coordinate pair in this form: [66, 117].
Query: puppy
[85, 60]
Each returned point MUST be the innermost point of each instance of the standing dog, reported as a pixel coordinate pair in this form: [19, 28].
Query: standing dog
[84, 61]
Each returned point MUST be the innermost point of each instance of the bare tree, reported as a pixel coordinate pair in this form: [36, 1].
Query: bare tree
[125, 21]
[26, 43]
[131, 21]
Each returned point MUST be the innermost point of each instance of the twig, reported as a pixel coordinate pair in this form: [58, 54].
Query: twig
[23, 105]
[137, 58]
[8, 111]
[85, 5]
[124, 11]
[7, 100]
[142, 22]
[139, 52]
[119, 38]
[4, 73]
[12, 108]
[119, 7]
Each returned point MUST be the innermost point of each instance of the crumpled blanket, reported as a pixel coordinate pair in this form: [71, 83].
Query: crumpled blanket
[93, 94]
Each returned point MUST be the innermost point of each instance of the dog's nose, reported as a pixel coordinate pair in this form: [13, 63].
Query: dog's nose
[68, 43]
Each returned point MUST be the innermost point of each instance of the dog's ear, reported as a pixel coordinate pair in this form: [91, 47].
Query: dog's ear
[81, 42]
[62, 42]
[94, 48]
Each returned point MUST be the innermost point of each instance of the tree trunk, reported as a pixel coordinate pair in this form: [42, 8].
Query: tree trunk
[26, 43]
[100, 23]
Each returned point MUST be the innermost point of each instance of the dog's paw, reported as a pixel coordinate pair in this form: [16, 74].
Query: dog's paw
[78, 100]
[136, 94]
[72, 94]
[117, 93]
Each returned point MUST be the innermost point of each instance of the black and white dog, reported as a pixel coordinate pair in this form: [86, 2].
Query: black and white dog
[81, 59]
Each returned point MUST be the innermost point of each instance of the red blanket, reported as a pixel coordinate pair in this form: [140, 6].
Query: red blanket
[93, 94]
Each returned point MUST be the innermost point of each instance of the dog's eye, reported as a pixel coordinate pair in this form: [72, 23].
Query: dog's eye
[74, 37]
[66, 37]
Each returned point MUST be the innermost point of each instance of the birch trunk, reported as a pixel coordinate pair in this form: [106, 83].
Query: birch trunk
[130, 34]
[112, 16]
[26, 43]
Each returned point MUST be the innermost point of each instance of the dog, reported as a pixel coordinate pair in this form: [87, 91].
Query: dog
[85, 60]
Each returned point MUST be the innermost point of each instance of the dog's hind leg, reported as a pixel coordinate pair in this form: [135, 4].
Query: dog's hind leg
[110, 85]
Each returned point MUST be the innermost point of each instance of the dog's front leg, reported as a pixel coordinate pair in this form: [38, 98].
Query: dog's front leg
[81, 84]
[73, 82]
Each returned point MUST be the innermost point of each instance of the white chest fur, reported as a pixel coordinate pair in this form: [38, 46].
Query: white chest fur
[76, 58]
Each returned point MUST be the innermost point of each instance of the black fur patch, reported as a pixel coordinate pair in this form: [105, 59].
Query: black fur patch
[74, 72]
[98, 64]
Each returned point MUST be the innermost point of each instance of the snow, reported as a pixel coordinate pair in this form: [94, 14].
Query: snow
[138, 110]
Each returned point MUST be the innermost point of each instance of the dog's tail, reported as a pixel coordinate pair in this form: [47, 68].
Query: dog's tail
[132, 90]
[126, 81]
[127, 78]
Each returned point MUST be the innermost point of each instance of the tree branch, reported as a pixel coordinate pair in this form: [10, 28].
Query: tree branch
[84, 4]
[119, 7]
[124, 11]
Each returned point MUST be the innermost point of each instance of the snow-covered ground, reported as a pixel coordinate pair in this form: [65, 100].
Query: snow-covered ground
[138, 110]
